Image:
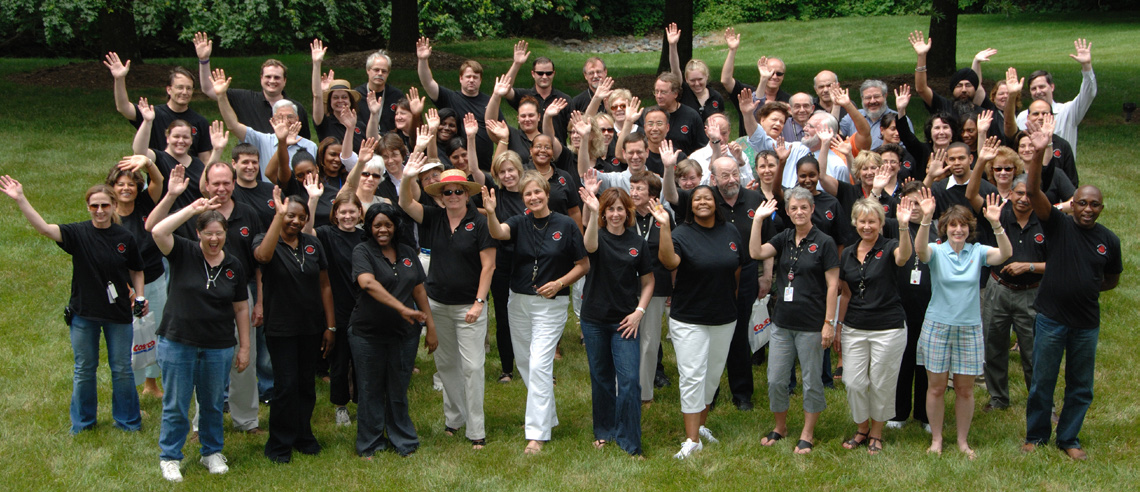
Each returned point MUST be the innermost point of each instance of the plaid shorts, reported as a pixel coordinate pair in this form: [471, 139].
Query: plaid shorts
[948, 348]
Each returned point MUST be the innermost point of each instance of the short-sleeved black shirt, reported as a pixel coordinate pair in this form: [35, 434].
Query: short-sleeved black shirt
[560, 120]
[1028, 245]
[136, 224]
[705, 292]
[832, 219]
[371, 318]
[391, 96]
[714, 104]
[808, 263]
[915, 296]
[510, 204]
[164, 116]
[99, 256]
[647, 227]
[292, 287]
[545, 250]
[740, 215]
[563, 191]
[201, 313]
[244, 226]
[687, 129]
[253, 110]
[331, 127]
[166, 163]
[476, 105]
[339, 246]
[259, 198]
[1078, 260]
[877, 305]
[653, 161]
[519, 143]
[613, 286]
[455, 261]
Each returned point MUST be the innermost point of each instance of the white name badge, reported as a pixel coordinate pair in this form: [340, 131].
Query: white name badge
[788, 293]
[112, 294]
[915, 277]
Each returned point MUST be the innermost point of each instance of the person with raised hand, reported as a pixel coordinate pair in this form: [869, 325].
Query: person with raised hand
[1068, 115]
[179, 140]
[106, 268]
[542, 71]
[967, 94]
[332, 97]
[771, 77]
[468, 100]
[695, 92]
[266, 143]
[179, 91]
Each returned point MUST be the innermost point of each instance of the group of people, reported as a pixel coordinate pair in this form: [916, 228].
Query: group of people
[910, 260]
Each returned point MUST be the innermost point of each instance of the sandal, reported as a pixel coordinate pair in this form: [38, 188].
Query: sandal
[505, 377]
[874, 445]
[478, 443]
[449, 431]
[533, 447]
[838, 373]
[599, 444]
[772, 437]
[804, 446]
[854, 442]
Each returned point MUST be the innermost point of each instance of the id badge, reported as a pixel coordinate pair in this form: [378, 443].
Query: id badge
[112, 294]
[788, 293]
[915, 277]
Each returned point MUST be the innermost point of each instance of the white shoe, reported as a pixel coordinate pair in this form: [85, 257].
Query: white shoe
[342, 418]
[170, 470]
[436, 382]
[895, 424]
[926, 427]
[706, 434]
[216, 463]
[688, 448]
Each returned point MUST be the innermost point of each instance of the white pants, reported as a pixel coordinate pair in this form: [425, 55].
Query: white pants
[536, 326]
[701, 353]
[459, 360]
[243, 387]
[871, 361]
[650, 333]
[577, 290]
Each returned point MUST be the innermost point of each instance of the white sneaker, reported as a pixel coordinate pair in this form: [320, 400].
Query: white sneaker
[895, 424]
[688, 448]
[707, 435]
[926, 427]
[216, 463]
[170, 470]
[436, 382]
[342, 418]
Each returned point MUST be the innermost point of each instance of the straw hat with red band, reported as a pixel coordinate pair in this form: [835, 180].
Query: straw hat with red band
[342, 85]
[453, 177]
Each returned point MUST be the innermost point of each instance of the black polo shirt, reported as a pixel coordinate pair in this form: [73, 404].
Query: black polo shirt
[292, 287]
[1078, 260]
[391, 95]
[560, 120]
[510, 204]
[653, 161]
[520, 144]
[582, 101]
[563, 190]
[477, 105]
[259, 198]
[613, 286]
[339, 246]
[244, 226]
[99, 257]
[1028, 245]
[166, 163]
[648, 228]
[687, 129]
[253, 110]
[875, 303]
[807, 263]
[545, 250]
[734, 100]
[848, 194]
[714, 104]
[455, 262]
[705, 292]
[832, 219]
[915, 296]
[136, 224]
[740, 215]
[164, 116]
[202, 311]
[331, 127]
[371, 318]
[940, 103]
[1064, 160]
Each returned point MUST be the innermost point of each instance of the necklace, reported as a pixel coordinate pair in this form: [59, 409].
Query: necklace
[300, 258]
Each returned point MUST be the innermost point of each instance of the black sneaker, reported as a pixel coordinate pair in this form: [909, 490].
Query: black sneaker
[660, 381]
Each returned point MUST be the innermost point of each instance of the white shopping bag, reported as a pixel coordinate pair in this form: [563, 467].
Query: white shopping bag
[760, 324]
[144, 345]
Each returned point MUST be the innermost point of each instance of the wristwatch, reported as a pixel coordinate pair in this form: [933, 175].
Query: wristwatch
[480, 301]
[831, 322]
[332, 329]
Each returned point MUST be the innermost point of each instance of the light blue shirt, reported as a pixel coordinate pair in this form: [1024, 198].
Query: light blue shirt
[954, 278]
[266, 144]
[847, 126]
[796, 151]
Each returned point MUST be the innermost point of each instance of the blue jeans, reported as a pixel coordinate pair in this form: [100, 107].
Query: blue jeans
[84, 396]
[617, 410]
[186, 369]
[1050, 343]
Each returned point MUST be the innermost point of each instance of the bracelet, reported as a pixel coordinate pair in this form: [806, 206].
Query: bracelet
[1000, 232]
[332, 329]
[639, 308]
[204, 62]
[920, 68]
[924, 224]
[560, 285]
[904, 228]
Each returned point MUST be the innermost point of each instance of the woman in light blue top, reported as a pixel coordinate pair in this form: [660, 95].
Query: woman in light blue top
[951, 340]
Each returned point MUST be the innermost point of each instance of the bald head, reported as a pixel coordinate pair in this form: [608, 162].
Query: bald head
[823, 83]
[802, 107]
[1088, 203]
[725, 175]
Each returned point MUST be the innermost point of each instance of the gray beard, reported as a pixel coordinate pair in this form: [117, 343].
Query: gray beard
[875, 115]
[811, 142]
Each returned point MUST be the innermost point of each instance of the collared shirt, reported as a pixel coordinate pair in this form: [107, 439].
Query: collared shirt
[836, 167]
[390, 95]
[705, 291]
[203, 314]
[1028, 245]
[847, 126]
[254, 110]
[292, 287]
[456, 264]
[703, 156]
[613, 285]
[100, 257]
[1066, 116]
[545, 250]
[955, 290]
[1078, 261]
[339, 246]
[266, 144]
[802, 267]
[793, 131]
[371, 318]
[875, 303]
[714, 104]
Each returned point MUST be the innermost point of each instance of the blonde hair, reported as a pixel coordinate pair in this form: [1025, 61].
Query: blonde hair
[618, 94]
[509, 157]
[1005, 154]
[865, 157]
[698, 66]
[868, 206]
[532, 176]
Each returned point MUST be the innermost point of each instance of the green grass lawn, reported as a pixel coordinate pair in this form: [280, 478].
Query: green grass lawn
[59, 142]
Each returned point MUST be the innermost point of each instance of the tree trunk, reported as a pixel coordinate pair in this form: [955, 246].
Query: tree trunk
[940, 62]
[680, 12]
[405, 27]
[116, 24]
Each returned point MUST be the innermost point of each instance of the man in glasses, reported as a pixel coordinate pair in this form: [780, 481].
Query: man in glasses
[594, 71]
[685, 123]
[874, 100]
[542, 71]
[774, 67]
[1069, 114]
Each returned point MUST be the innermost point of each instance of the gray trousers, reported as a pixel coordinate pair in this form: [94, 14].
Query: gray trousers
[1004, 308]
[784, 347]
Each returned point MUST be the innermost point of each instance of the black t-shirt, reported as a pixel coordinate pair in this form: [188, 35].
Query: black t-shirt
[734, 99]
[653, 161]
[582, 101]
[164, 116]
[324, 207]
[519, 143]
[1064, 160]
[244, 226]
[166, 163]
[477, 105]
[99, 257]
[705, 292]
[648, 228]
[456, 264]
[687, 129]
[832, 219]
[545, 250]
[740, 215]
[510, 204]
[331, 127]
[806, 264]
[613, 286]
[254, 111]
[914, 295]
[391, 95]
[259, 198]
[136, 224]
[371, 318]
[1078, 260]
[202, 311]
[714, 104]
[563, 191]
[292, 287]
[339, 246]
[875, 303]
[560, 120]
[1028, 245]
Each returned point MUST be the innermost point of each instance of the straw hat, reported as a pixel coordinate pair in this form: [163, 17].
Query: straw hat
[342, 85]
[453, 177]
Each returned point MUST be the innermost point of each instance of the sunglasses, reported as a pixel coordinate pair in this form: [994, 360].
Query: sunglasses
[607, 130]
[777, 74]
[99, 206]
[371, 175]
[543, 74]
[618, 106]
[1003, 169]
[458, 192]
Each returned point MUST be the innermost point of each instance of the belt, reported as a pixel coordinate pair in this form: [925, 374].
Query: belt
[1013, 286]
[425, 251]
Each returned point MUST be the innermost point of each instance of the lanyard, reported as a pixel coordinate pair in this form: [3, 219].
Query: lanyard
[795, 258]
[211, 280]
[300, 258]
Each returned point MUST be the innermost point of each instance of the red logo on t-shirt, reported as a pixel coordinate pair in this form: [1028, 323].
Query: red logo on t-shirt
[812, 248]
[685, 129]
[407, 263]
[562, 181]
[557, 236]
[392, 107]
[244, 231]
[1039, 238]
[1100, 248]
[879, 255]
[633, 251]
[716, 105]
[526, 212]
[906, 164]
[122, 248]
[357, 130]
[616, 161]
[886, 209]
[829, 215]
[310, 249]
[193, 130]
[751, 213]
[270, 203]
[1057, 153]
[732, 245]
[469, 227]
[229, 274]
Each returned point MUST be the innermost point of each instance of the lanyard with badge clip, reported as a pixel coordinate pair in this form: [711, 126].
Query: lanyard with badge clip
[916, 274]
[537, 248]
[211, 281]
[788, 290]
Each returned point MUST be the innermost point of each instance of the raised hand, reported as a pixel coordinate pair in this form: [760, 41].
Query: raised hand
[489, 201]
[498, 129]
[423, 136]
[118, 69]
[659, 212]
[985, 118]
[317, 49]
[415, 102]
[737, 151]
[423, 48]
[1048, 123]
[902, 98]
[591, 183]
[280, 126]
[219, 136]
[668, 154]
[672, 34]
[990, 150]
[937, 163]
[927, 204]
[294, 135]
[993, 209]
[133, 163]
[1084, 51]
[146, 110]
[882, 178]
[634, 109]
[766, 209]
[1012, 83]
[762, 65]
[203, 46]
[416, 161]
[825, 136]
[11, 187]
[282, 203]
[984, 55]
[178, 181]
[839, 96]
[503, 85]
[521, 52]
[747, 104]
[731, 39]
[327, 79]
[313, 185]
[470, 125]
[220, 81]
[556, 106]
[605, 88]
[921, 47]
[782, 150]
[582, 127]
[202, 204]
[367, 150]
[839, 145]
[347, 117]
[375, 102]
[904, 211]
[432, 120]
[589, 199]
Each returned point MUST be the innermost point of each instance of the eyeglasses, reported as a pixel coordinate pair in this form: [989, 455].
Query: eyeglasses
[618, 106]
[777, 74]
[371, 175]
[607, 130]
[458, 192]
[543, 74]
[1003, 169]
[99, 206]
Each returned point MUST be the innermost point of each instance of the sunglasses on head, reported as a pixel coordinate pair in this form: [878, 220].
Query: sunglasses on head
[458, 192]
[371, 175]
[543, 74]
